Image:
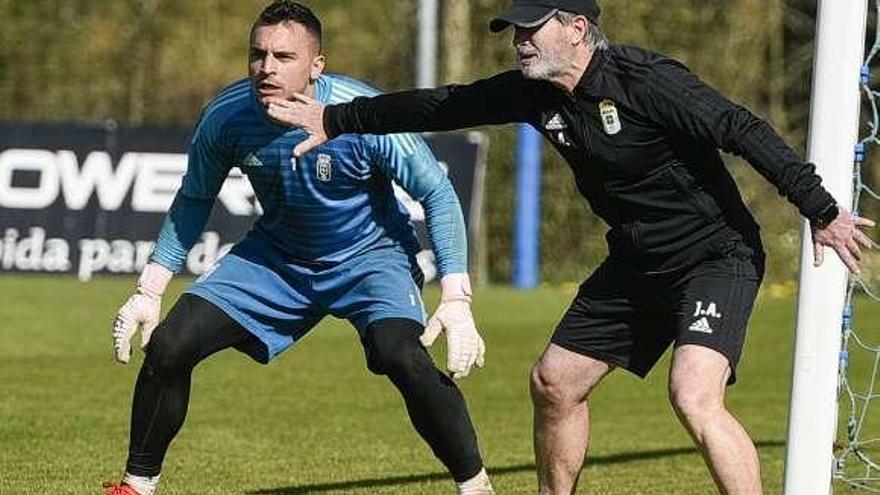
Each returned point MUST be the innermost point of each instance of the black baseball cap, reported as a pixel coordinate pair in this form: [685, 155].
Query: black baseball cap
[532, 13]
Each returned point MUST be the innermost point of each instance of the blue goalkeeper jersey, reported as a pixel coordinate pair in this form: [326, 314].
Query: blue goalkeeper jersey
[333, 203]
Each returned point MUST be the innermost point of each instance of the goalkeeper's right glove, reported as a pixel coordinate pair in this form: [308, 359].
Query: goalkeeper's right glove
[143, 309]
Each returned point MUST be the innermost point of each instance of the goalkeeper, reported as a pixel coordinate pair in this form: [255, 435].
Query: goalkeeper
[333, 240]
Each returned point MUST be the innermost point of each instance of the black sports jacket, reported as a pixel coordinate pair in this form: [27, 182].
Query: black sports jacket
[641, 134]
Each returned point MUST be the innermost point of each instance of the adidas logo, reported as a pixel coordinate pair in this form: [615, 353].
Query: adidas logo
[555, 123]
[701, 325]
[251, 161]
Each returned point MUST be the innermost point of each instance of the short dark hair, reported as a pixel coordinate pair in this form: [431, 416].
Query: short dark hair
[281, 11]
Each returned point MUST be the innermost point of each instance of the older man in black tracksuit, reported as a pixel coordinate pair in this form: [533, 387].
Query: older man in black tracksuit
[641, 134]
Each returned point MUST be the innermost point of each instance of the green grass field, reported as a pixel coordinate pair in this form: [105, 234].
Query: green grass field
[316, 421]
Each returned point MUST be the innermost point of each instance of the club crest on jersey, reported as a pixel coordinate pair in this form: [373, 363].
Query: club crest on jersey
[610, 118]
[324, 168]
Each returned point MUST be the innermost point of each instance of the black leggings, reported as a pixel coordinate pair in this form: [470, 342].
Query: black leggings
[194, 329]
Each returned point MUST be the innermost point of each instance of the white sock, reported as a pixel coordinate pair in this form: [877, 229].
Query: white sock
[478, 485]
[144, 485]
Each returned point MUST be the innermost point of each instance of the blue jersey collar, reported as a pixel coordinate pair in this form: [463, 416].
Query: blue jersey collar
[323, 88]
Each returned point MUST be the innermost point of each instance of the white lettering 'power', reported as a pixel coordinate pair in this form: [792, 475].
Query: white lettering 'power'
[152, 178]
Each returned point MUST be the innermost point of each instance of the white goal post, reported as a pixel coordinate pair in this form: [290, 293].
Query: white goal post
[834, 111]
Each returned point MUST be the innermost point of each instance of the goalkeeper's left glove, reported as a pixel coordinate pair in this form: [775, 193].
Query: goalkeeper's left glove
[142, 309]
[464, 346]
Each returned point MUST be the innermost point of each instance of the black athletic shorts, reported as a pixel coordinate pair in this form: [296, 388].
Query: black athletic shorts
[629, 318]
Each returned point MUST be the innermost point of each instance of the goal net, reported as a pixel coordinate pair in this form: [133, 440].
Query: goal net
[857, 445]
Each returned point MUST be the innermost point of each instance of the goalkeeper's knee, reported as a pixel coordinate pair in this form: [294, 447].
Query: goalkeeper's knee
[168, 356]
[174, 347]
[392, 347]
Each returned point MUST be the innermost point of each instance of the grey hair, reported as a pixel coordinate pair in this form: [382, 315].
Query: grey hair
[595, 36]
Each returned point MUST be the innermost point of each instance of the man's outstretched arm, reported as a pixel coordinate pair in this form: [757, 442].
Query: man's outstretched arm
[504, 98]
[677, 98]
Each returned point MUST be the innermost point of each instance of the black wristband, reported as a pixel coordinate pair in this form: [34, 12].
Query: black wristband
[825, 217]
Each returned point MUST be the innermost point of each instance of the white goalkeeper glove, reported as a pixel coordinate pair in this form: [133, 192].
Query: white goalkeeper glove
[464, 346]
[142, 309]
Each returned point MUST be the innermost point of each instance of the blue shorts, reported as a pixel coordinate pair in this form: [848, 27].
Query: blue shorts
[279, 301]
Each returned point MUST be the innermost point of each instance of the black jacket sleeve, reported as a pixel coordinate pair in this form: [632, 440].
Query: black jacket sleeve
[676, 98]
[506, 97]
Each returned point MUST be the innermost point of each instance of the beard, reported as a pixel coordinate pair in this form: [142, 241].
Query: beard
[544, 66]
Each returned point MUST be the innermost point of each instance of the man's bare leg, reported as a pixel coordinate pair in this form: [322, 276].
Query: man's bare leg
[561, 381]
[697, 382]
